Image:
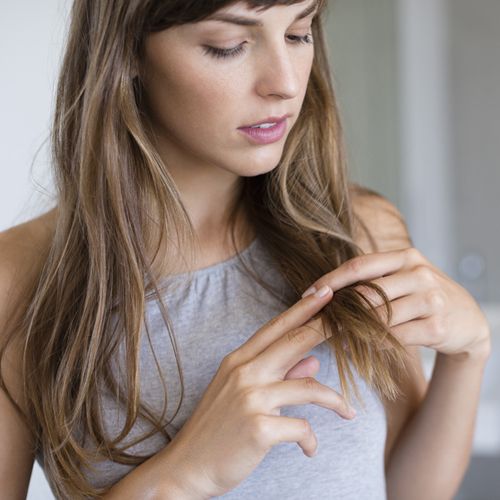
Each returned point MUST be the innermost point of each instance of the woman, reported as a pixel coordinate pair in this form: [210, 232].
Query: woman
[176, 212]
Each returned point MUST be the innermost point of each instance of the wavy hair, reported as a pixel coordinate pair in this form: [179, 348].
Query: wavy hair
[116, 206]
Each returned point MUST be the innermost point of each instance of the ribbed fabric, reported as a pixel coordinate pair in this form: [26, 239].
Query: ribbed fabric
[212, 315]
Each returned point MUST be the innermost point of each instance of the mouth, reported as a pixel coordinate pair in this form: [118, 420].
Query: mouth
[267, 123]
[266, 132]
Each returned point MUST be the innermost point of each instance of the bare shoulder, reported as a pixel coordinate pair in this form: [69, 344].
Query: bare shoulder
[32, 235]
[22, 249]
[380, 227]
[21, 255]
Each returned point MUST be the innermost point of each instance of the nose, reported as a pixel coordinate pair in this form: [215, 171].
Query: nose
[278, 72]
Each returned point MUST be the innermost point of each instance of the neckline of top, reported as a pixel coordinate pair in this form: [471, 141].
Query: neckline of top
[213, 267]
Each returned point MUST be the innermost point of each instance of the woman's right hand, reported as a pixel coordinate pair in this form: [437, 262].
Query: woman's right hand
[238, 420]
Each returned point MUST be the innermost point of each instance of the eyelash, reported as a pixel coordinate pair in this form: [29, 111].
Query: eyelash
[224, 53]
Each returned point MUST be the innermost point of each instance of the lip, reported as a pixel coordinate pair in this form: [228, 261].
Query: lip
[270, 119]
[265, 135]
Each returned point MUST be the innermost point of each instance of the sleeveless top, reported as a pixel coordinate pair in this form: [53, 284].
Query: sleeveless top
[212, 315]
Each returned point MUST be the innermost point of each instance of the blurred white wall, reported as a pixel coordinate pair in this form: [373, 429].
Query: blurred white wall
[391, 83]
[362, 37]
[474, 99]
[31, 36]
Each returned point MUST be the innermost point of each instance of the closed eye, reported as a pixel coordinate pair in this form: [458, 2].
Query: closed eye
[219, 53]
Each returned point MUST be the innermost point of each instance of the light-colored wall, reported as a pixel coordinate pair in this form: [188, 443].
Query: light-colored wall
[31, 35]
[474, 52]
[424, 118]
[362, 40]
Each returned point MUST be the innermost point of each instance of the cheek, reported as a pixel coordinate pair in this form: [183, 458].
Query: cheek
[305, 72]
[190, 98]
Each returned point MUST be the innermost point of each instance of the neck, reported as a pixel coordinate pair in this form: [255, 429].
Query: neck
[213, 244]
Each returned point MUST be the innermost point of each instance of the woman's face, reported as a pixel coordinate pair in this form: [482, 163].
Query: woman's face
[198, 100]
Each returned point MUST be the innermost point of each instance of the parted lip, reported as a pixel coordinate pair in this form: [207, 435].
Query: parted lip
[270, 119]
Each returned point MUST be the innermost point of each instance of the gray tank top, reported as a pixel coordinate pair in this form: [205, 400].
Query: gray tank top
[212, 315]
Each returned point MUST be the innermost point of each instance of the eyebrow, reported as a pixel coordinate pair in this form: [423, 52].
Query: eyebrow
[247, 21]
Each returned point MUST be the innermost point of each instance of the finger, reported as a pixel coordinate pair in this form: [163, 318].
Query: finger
[279, 429]
[304, 391]
[367, 267]
[420, 332]
[293, 317]
[277, 359]
[407, 308]
[395, 286]
[307, 367]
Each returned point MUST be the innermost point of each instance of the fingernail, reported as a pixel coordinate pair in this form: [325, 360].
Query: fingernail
[322, 291]
[310, 290]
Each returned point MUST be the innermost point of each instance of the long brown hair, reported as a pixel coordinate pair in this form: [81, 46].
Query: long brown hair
[117, 202]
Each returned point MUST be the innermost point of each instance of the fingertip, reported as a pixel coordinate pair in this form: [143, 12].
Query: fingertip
[309, 291]
[323, 292]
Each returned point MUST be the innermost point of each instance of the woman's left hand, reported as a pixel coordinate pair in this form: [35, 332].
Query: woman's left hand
[429, 309]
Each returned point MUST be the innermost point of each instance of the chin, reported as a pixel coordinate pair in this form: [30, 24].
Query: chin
[252, 171]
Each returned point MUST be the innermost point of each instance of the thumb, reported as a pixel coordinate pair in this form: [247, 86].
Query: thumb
[307, 367]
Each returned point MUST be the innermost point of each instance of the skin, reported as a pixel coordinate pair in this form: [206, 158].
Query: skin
[208, 157]
[432, 429]
[429, 308]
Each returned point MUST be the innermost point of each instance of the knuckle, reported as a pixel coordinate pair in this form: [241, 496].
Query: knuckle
[297, 335]
[311, 384]
[261, 430]
[241, 375]
[412, 254]
[437, 326]
[486, 348]
[229, 362]
[277, 322]
[354, 266]
[251, 400]
[435, 299]
[425, 274]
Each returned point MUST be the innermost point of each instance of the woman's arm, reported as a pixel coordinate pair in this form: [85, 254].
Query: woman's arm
[432, 452]
[430, 429]
[158, 478]
[16, 439]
